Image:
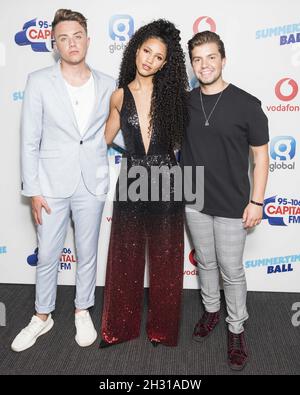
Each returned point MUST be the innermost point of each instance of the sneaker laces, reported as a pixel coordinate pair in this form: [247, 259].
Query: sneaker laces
[209, 319]
[237, 344]
[33, 327]
[84, 319]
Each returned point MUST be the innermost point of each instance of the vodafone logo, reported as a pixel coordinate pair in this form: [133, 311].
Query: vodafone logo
[286, 89]
[192, 258]
[192, 272]
[204, 23]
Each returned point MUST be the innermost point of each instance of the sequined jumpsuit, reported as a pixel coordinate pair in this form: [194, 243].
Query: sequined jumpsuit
[136, 225]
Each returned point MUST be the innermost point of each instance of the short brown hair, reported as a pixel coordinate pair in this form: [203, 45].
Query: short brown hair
[63, 14]
[205, 38]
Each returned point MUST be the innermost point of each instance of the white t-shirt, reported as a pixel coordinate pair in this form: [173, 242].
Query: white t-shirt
[83, 100]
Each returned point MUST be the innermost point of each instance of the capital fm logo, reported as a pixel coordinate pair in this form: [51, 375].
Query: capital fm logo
[67, 259]
[285, 90]
[38, 34]
[121, 28]
[282, 151]
[204, 23]
[281, 211]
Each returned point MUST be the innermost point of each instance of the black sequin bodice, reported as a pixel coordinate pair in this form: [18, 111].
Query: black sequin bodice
[159, 147]
[160, 156]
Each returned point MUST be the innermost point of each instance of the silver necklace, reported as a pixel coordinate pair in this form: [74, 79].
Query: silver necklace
[204, 113]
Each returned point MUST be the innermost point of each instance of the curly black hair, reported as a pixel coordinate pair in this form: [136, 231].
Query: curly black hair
[168, 112]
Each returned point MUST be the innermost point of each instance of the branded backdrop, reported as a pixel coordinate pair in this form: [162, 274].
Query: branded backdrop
[262, 40]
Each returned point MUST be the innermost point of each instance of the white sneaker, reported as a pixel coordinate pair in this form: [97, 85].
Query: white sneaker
[85, 331]
[27, 337]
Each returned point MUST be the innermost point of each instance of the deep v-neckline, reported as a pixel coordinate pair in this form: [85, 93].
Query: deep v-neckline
[139, 125]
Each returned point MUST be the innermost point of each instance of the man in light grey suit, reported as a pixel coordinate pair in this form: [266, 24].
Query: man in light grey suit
[64, 170]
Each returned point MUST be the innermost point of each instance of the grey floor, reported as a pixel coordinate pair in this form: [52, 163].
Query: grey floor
[274, 343]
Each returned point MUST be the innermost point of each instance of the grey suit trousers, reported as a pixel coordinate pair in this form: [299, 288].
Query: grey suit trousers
[219, 245]
[86, 212]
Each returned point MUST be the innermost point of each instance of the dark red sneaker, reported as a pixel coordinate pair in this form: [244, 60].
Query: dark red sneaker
[237, 351]
[205, 325]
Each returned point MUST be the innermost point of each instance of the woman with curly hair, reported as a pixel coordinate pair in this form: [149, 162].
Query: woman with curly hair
[150, 109]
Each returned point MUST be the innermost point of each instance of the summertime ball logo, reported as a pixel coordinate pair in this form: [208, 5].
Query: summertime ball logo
[276, 264]
[38, 34]
[287, 34]
[204, 23]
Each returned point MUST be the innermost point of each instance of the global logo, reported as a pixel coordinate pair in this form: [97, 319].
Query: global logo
[283, 148]
[121, 28]
[204, 23]
[281, 211]
[286, 89]
[38, 34]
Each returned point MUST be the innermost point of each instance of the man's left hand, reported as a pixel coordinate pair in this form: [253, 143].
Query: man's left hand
[252, 215]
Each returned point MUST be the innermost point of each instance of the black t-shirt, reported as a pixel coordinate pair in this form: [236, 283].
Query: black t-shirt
[223, 147]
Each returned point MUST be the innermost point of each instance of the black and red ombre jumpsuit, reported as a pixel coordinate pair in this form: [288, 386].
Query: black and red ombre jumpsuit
[135, 225]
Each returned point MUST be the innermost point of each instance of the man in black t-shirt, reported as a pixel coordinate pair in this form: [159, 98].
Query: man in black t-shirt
[225, 122]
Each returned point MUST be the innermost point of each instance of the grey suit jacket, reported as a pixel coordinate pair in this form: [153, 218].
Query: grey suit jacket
[53, 152]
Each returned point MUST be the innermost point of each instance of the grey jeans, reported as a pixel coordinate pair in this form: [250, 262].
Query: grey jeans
[219, 244]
